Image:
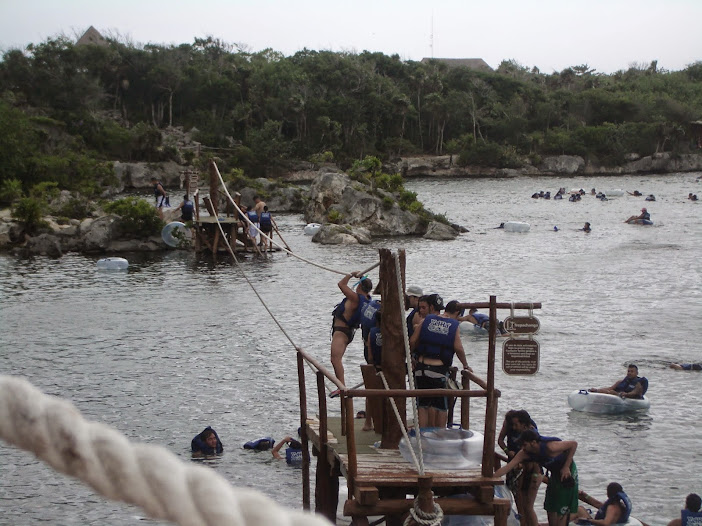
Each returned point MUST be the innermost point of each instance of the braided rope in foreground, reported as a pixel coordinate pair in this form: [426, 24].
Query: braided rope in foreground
[425, 519]
[144, 475]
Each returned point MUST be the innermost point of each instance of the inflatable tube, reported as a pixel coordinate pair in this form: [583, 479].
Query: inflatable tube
[605, 404]
[467, 327]
[260, 444]
[617, 192]
[517, 226]
[112, 264]
[631, 522]
[175, 234]
[643, 222]
[446, 448]
[312, 228]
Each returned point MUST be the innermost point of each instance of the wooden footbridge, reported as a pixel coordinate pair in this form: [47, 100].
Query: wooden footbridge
[379, 480]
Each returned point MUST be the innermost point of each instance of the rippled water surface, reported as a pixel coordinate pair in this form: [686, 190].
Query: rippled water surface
[178, 343]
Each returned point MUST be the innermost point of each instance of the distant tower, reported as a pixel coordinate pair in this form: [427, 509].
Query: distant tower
[431, 35]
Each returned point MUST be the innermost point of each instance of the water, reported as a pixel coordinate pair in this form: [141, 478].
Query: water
[176, 343]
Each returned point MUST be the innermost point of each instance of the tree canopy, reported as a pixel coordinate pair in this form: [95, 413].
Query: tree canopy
[61, 104]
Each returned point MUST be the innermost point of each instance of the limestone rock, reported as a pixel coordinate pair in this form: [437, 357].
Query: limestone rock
[353, 203]
[97, 234]
[44, 245]
[440, 232]
[138, 175]
[563, 164]
[331, 234]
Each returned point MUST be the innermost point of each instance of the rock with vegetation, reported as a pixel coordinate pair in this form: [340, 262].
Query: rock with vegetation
[440, 232]
[367, 198]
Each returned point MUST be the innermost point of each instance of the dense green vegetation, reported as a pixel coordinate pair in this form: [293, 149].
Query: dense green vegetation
[67, 111]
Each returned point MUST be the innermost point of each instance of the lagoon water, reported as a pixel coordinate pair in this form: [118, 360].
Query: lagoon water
[178, 343]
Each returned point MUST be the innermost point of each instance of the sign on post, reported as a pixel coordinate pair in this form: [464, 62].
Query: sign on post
[522, 324]
[520, 356]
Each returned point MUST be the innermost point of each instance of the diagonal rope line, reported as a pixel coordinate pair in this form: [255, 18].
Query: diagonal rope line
[408, 357]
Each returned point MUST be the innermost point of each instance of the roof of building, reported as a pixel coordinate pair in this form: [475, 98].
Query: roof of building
[91, 36]
[472, 63]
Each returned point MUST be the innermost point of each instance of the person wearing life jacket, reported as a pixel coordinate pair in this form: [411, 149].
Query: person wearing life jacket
[187, 208]
[523, 483]
[252, 216]
[686, 366]
[615, 510]
[556, 456]
[632, 386]
[435, 341]
[644, 218]
[347, 318]
[206, 442]
[412, 295]
[265, 223]
[293, 453]
[483, 321]
[161, 196]
[691, 515]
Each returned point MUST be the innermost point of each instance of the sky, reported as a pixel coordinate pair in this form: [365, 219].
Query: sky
[607, 35]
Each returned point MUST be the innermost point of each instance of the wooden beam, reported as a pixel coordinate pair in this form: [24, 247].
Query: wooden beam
[450, 506]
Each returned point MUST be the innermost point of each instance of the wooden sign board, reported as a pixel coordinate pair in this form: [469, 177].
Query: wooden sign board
[522, 324]
[520, 357]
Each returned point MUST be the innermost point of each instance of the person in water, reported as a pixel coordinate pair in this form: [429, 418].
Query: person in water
[615, 510]
[686, 366]
[632, 386]
[206, 443]
[644, 216]
[347, 318]
[483, 321]
[691, 515]
[556, 456]
[586, 228]
[435, 341]
[524, 481]
[186, 209]
[161, 196]
[293, 453]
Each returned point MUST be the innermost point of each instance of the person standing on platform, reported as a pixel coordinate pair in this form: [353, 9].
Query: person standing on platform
[265, 222]
[161, 196]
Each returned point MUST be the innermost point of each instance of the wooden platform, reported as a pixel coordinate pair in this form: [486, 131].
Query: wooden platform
[384, 479]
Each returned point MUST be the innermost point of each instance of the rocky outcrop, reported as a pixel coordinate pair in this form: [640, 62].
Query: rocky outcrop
[342, 235]
[440, 232]
[562, 165]
[335, 196]
[278, 197]
[138, 175]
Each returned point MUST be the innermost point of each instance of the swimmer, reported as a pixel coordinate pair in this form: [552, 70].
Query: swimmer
[206, 443]
[686, 366]
[586, 228]
[640, 219]
[650, 197]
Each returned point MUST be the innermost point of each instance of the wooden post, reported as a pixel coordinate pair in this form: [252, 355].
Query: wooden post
[303, 433]
[491, 409]
[326, 491]
[465, 402]
[214, 186]
[393, 358]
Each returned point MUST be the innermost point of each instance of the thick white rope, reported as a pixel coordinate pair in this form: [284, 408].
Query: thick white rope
[418, 466]
[425, 519]
[408, 357]
[144, 475]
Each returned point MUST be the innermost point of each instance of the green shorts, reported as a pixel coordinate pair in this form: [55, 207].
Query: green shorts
[559, 499]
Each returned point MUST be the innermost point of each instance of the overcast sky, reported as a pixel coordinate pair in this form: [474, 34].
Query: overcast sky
[608, 35]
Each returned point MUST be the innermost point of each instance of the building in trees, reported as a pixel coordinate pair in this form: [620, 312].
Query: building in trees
[91, 36]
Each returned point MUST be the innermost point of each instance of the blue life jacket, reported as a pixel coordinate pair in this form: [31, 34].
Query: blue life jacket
[436, 338]
[627, 386]
[265, 219]
[552, 464]
[513, 443]
[376, 345]
[187, 211]
[293, 455]
[198, 445]
[691, 518]
[368, 316]
[253, 216]
[410, 327]
[260, 444]
[355, 319]
[480, 317]
[619, 497]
